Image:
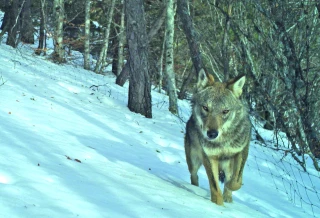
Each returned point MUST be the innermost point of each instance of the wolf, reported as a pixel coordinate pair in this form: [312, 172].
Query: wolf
[218, 135]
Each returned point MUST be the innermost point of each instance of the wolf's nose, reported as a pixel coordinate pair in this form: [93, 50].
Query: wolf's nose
[212, 134]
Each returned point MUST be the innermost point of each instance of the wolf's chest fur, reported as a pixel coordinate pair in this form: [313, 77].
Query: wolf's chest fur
[223, 148]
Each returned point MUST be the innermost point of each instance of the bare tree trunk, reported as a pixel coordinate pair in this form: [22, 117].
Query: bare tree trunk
[13, 25]
[115, 55]
[225, 44]
[103, 53]
[87, 36]
[121, 40]
[192, 38]
[27, 29]
[42, 38]
[189, 31]
[115, 32]
[139, 87]
[59, 52]
[157, 24]
[124, 75]
[170, 75]
[161, 64]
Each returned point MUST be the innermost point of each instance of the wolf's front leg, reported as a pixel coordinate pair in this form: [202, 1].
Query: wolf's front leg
[227, 195]
[239, 161]
[212, 169]
[227, 168]
[193, 156]
[194, 161]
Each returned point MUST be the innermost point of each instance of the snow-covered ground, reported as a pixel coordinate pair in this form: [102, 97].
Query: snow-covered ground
[70, 147]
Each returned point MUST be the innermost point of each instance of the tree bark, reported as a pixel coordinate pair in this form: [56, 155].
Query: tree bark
[225, 44]
[87, 36]
[191, 35]
[192, 38]
[42, 36]
[139, 87]
[103, 53]
[121, 40]
[26, 23]
[160, 66]
[13, 24]
[59, 52]
[115, 39]
[170, 75]
[124, 75]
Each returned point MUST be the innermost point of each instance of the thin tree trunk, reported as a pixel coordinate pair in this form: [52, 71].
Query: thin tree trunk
[192, 38]
[170, 75]
[161, 64]
[42, 38]
[189, 31]
[115, 40]
[103, 53]
[225, 46]
[87, 36]
[59, 52]
[115, 55]
[121, 40]
[157, 24]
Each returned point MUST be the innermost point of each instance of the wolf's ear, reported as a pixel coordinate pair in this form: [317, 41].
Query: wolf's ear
[204, 79]
[236, 84]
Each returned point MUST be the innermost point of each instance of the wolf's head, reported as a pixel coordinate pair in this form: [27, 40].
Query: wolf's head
[216, 106]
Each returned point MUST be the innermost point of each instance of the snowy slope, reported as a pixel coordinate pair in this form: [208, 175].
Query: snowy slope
[71, 148]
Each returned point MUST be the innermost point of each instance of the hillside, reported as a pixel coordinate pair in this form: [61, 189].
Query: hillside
[71, 148]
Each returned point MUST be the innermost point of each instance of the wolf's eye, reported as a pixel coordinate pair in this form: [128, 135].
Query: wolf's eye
[205, 108]
[225, 112]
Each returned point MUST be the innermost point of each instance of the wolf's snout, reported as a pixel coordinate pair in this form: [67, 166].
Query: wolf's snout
[212, 134]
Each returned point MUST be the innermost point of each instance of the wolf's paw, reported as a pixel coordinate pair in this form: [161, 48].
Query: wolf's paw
[233, 185]
[217, 200]
[227, 198]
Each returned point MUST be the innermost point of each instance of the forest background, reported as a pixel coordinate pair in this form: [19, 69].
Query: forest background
[164, 44]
